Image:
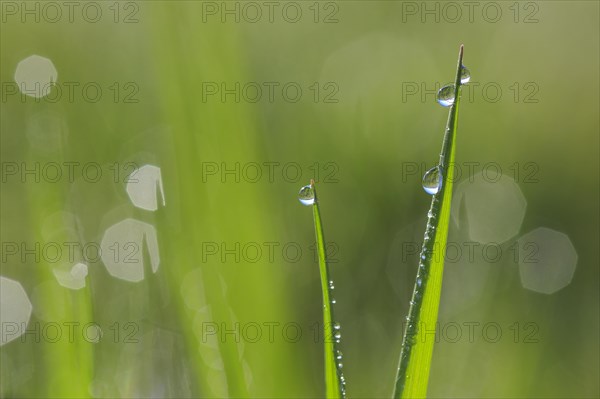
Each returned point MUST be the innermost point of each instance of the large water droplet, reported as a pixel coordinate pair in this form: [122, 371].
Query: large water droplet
[307, 195]
[445, 96]
[465, 75]
[432, 180]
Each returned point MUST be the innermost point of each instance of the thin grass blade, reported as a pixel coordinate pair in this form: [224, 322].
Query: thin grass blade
[334, 379]
[417, 344]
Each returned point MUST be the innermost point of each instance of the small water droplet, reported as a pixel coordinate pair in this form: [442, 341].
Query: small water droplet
[307, 195]
[331, 284]
[339, 355]
[336, 326]
[465, 75]
[333, 301]
[419, 282]
[337, 335]
[432, 180]
[340, 365]
[445, 96]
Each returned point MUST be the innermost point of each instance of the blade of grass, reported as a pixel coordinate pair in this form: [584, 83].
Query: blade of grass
[417, 344]
[334, 380]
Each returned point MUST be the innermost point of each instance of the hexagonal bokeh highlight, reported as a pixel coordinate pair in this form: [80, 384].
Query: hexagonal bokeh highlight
[123, 246]
[547, 260]
[35, 76]
[73, 278]
[492, 209]
[15, 310]
[144, 186]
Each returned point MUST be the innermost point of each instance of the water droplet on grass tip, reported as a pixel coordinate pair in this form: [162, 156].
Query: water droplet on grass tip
[432, 180]
[306, 195]
[445, 96]
[465, 75]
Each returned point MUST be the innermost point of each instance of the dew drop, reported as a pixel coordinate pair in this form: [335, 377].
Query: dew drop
[419, 282]
[340, 365]
[445, 95]
[307, 195]
[333, 301]
[432, 180]
[337, 335]
[336, 326]
[465, 75]
[339, 355]
[331, 286]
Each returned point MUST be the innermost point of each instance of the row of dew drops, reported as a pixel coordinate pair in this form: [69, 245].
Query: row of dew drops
[432, 179]
[306, 196]
[432, 183]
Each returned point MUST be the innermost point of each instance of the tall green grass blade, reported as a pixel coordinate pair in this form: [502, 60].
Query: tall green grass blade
[417, 345]
[334, 380]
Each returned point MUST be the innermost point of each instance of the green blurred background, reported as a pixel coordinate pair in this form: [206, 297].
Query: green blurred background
[366, 127]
